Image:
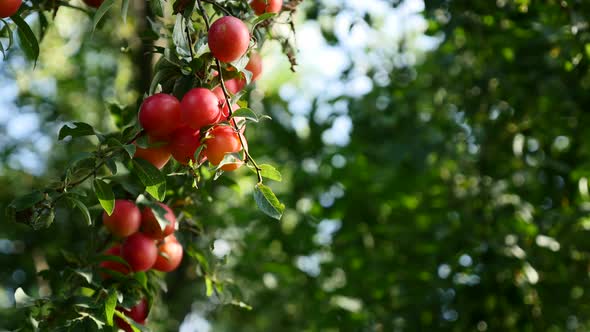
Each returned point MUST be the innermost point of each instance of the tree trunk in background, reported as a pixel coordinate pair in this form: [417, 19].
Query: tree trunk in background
[143, 56]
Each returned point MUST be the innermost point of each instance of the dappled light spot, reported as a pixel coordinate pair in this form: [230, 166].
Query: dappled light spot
[335, 281]
[450, 315]
[466, 279]
[465, 260]
[561, 143]
[548, 242]
[195, 322]
[309, 264]
[347, 303]
[444, 270]
[270, 280]
[221, 248]
[325, 231]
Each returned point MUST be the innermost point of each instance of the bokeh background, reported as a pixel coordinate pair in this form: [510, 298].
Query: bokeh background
[435, 159]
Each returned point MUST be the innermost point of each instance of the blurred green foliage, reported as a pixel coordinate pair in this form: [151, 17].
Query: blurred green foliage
[460, 204]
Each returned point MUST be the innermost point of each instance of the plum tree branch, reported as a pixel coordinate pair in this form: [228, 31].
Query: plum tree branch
[248, 157]
[220, 7]
[96, 167]
[190, 42]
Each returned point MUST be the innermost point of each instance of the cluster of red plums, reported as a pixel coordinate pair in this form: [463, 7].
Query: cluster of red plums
[176, 128]
[145, 246]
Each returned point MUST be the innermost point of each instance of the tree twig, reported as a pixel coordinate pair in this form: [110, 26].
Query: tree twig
[223, 9]
[96, 167]
[190, 42]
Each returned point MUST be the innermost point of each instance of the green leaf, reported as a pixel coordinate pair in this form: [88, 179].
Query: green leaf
[246, 113]
[42, 218]
[6, 27]
[113, 142]
[2, 50]
[99, 323]
[112, 166]
[230, 158]
[109, 307]
[156, 6]
[130, 149]
[208, 286]
[247, 75]
[189, 8]
[198, 151]
[236, 98]
[163, 75]
[153, 33]
[110, 258]
[81, 160]
[141, 277]
[43, 25]
[262, 18]
[241, 63]
[201, 47]
[69, 257]
[124, 9]
[122, 115]
[105, 195]
[131, 184]
[10, 36]
[158, 211]
[267, 201]
[143, 142]
[79, 129]
[218, 174]
[104, 7]
[160, 214]
[35, 210]
[28, 40]
[241, 304]
[182, 85]
[82, 301]
[82, 207]
[86, 275]
[151, 177]
[27, 201]
[134, 326]
[179, 37]
[201, 259]
[270, 172]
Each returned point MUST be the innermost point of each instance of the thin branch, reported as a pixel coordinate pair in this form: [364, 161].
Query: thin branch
[96, 167]
[190, 42]
[75, 183]
[227, 101]
[220, 7]
[141, 132]
[203, 14]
